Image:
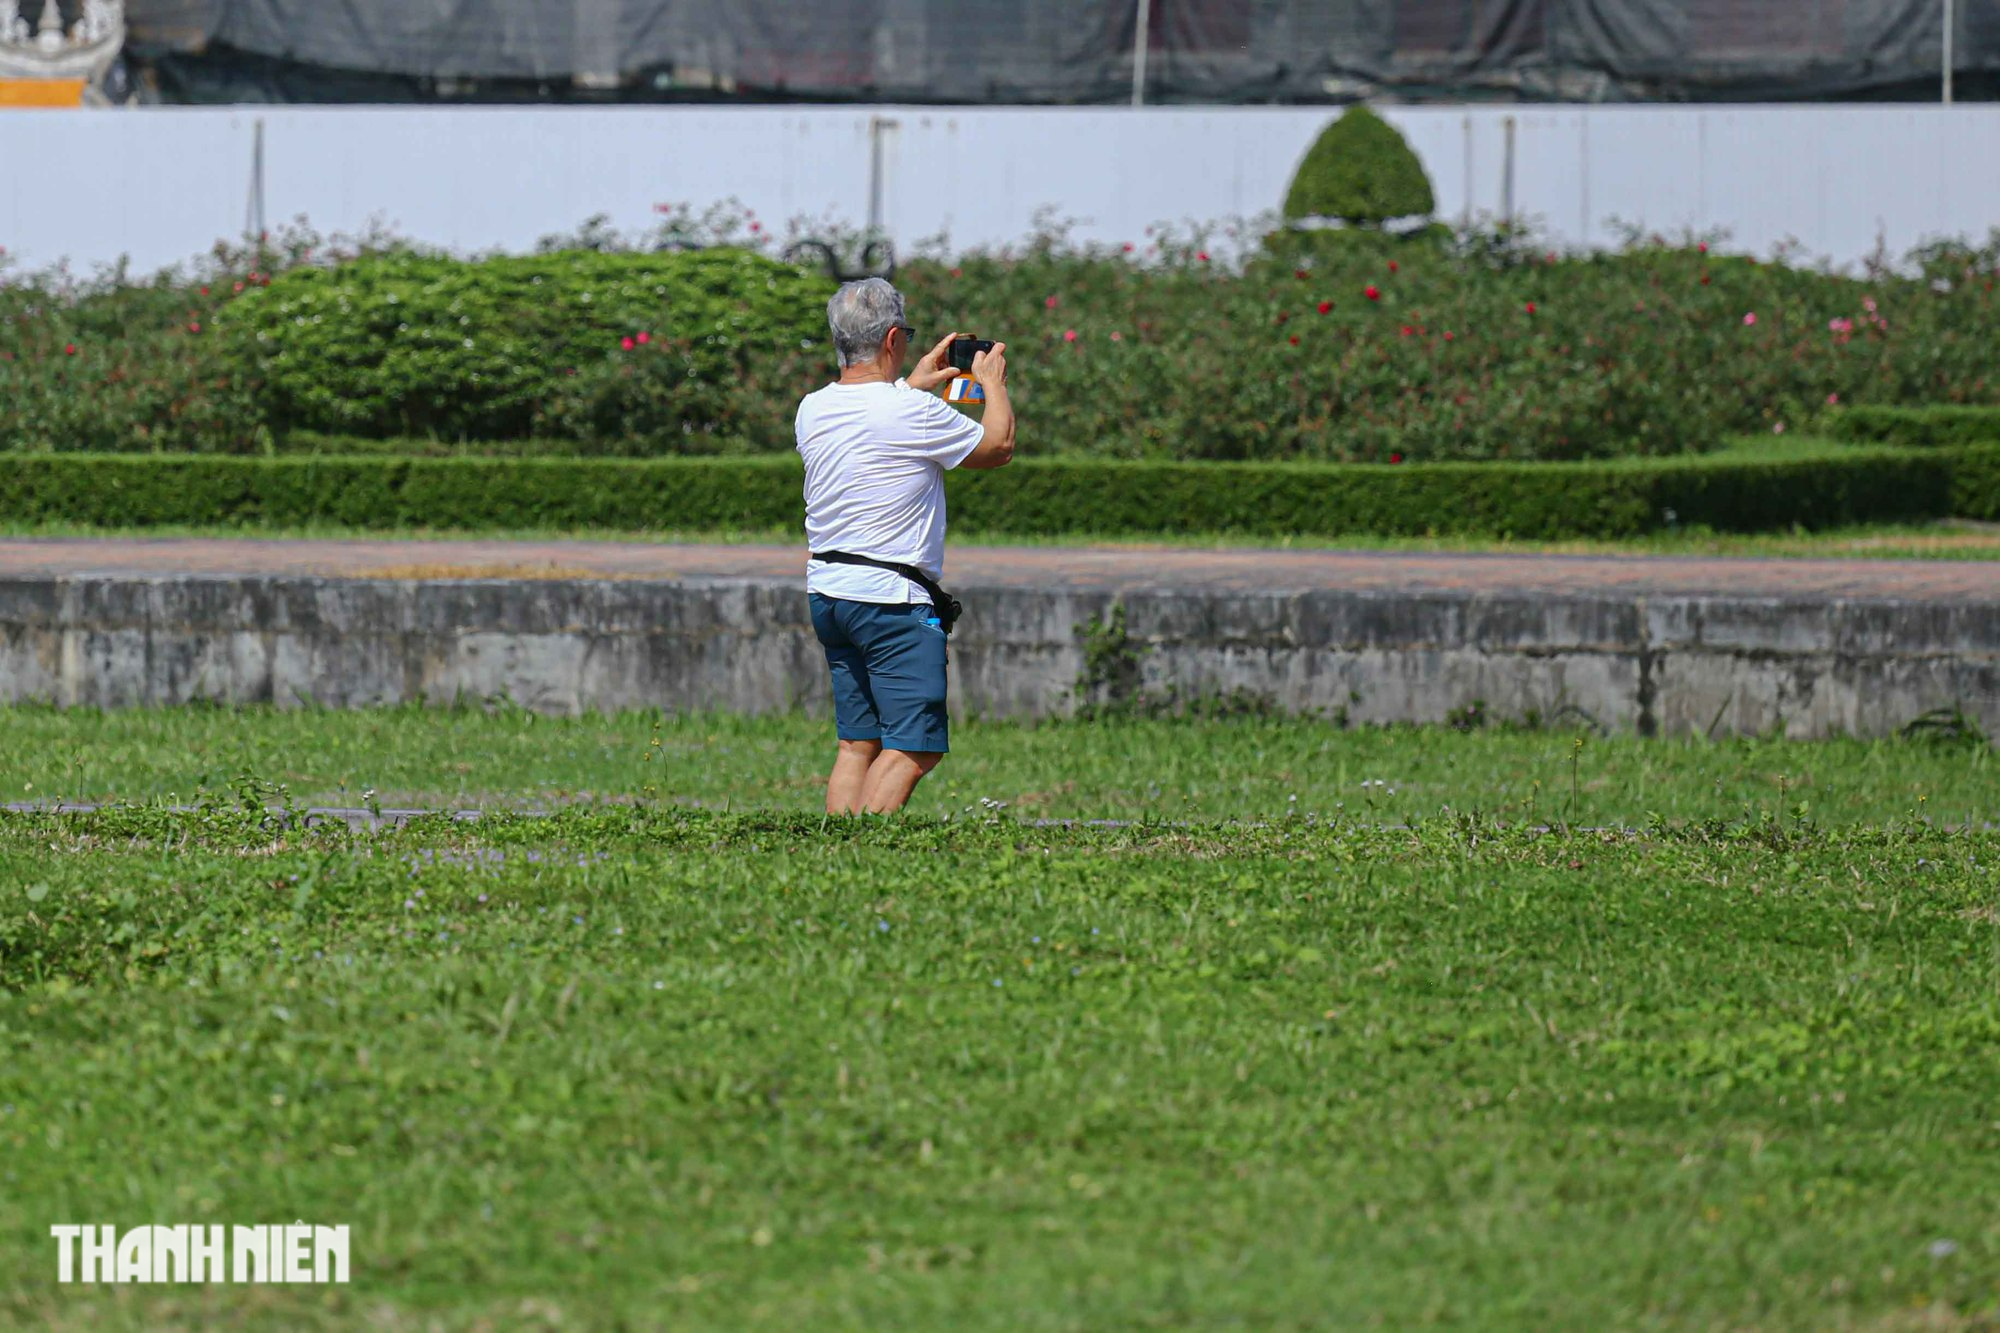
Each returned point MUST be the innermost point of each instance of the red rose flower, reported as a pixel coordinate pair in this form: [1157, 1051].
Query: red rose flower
[1393, 267]
[1395, 458]
[1050, 303]
[625, 344]
[645, 337]
[69, 349]
[1372, 293]
[1295, 340]
[1300, 274]
[1326, 307]
[1531, 307]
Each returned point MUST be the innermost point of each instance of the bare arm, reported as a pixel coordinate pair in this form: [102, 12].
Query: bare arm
[996, 445]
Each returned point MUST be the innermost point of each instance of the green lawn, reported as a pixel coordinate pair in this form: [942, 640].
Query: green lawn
[647, 1066]
[1242, 768]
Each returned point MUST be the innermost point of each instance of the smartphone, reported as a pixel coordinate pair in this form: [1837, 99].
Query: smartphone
[964, 349]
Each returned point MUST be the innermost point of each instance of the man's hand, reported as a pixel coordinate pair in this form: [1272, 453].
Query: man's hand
[990, 368]
[996, 443]
[932, 371]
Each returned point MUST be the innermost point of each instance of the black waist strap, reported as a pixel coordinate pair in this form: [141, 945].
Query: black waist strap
[942, 602]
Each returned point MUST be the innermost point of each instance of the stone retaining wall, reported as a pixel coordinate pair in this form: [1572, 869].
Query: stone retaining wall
[1652, 663]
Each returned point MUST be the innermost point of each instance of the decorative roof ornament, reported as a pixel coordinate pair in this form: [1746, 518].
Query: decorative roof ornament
[46, 51]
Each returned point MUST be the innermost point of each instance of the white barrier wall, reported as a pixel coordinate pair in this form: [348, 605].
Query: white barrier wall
[160, 185]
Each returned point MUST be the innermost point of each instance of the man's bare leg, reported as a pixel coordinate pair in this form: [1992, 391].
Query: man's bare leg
[850, 775]
[893, 776]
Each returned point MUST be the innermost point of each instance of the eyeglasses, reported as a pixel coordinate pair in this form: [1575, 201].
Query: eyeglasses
[908, 332]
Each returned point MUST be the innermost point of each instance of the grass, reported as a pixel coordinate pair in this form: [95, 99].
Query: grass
[1229, 768]
[647, 1065]
[629, 1069]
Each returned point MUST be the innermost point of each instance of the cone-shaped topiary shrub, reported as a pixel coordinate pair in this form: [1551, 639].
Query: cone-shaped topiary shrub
[1361, 171]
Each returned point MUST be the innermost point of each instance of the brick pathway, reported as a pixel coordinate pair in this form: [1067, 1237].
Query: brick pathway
[1120, 567]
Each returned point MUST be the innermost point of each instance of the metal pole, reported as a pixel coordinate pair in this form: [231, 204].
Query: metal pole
[875, 176]
[253, 216]
[1141, 40]
[1507, 176]
[1950, 25]
[879, 129]
[1468, 172]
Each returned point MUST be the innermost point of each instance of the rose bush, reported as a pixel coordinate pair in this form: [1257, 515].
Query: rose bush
[112, 364]
[1340, 346]
[1325, 344]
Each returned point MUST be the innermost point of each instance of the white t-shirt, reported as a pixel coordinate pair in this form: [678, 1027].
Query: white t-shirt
[876, 455]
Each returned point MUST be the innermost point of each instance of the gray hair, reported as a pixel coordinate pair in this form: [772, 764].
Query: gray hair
[861, 315]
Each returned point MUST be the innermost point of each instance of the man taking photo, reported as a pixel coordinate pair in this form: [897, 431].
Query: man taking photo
[876, 448]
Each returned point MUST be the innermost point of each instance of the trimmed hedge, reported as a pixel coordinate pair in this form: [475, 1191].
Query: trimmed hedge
[1975, 482]
[1361, 170]
[1537, 501]
[1034, 497]
[576, 343]
[1918, 427]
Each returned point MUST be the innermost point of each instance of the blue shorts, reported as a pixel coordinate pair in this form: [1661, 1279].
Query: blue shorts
[888, 665]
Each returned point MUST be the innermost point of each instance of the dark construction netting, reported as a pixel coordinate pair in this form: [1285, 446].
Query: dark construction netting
[1056, 50]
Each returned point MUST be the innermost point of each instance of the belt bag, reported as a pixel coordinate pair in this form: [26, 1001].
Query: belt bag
[947, 607]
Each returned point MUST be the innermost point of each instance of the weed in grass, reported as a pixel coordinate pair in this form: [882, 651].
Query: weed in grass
[1950, 725]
